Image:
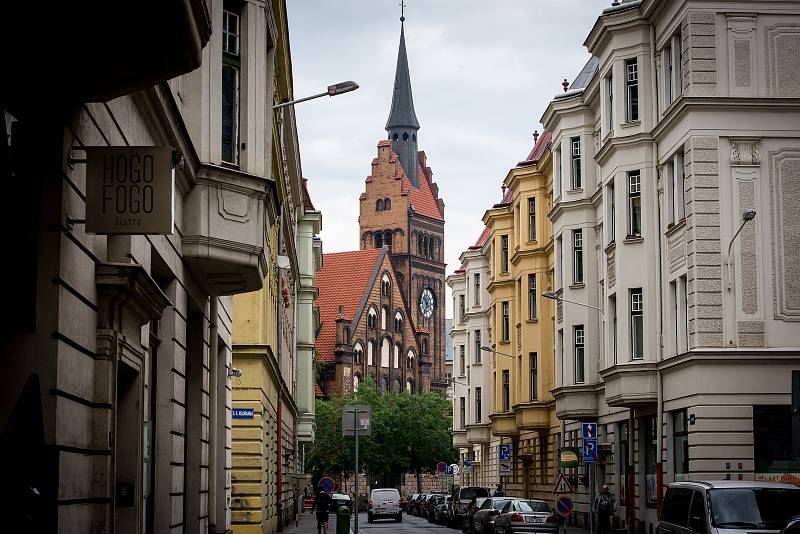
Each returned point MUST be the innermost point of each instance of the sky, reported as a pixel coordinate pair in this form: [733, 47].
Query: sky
[482, 74]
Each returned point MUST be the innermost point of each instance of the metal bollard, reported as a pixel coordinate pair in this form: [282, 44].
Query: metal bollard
[343, 520]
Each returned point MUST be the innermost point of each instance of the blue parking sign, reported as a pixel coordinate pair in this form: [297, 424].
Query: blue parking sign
[590, 451]
[589, 430]
[504, 452]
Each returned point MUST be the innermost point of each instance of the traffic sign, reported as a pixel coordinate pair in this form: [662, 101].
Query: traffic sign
[563, 485]
[356, 418]
[564, 505]
[468, 466]
[326, 484]
[453, 469]
[504, 452]
[589, 430]
[590, 451]
[441, 467]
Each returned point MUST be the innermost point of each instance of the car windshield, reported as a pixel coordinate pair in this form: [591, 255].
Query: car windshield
[753, 508]
[533, 507]
[467, 494]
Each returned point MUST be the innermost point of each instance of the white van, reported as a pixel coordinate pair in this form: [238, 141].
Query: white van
[384, 502]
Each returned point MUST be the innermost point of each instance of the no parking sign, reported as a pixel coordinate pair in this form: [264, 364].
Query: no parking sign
[564, 505]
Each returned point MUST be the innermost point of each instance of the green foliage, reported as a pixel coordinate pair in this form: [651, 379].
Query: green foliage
[409, 432]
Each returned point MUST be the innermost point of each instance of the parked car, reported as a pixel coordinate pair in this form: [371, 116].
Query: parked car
[441, 511]
[526, 515]
[416, 504]
[728, 507]
[341, 499]
[384, 502]
[431, 504]
[461, 499]
[407, 503]
[467, 523]
[483, 520]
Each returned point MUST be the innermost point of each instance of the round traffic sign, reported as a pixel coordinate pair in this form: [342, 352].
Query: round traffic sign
[564, 505]
[454, 468]
[326, 484]
[441, 467]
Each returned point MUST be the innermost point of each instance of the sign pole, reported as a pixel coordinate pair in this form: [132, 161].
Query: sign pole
[591, 499]
[355, 430]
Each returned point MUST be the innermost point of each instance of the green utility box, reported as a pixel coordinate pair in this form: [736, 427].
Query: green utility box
[343, 520]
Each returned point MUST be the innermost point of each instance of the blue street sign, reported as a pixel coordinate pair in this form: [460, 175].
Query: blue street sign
[242, 413]
[590, 451]
[504, 453]
[326, 484]
[467, 463]
[589, 430]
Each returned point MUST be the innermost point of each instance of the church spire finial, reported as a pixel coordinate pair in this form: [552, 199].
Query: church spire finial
[403, 125]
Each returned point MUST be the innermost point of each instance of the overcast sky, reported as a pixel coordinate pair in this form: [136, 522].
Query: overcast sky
[482, 73]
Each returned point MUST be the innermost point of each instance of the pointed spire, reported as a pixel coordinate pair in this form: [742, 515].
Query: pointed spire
[402, 124]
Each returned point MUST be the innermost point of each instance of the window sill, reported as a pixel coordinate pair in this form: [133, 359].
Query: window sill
[611, 246]
[633, 239]
[674, 228]
[505, 342]
[631, 124]
[575, 190]
[476, 363]
[536, 320]
[577, 285]
[228, 165]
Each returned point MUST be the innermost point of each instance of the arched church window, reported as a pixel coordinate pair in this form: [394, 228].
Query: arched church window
[384, 385]
[419, 245]
[387, 239]
[387, 203]
[356, 381]
[397, 386]
[409, 386]
[405, 136]
[370, 350]
[425, 246]
[414, 137]
[379, 205]
[394, 136]
[396, 362]
[372, 318]
[378, 239]
[424, 346]
[358, 353]
[384, 317]
[398, 322]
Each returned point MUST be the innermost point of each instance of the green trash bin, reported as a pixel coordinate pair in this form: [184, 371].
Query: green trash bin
[343, 520]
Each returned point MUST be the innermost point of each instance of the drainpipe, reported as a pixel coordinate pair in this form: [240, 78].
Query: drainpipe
[214, 445]
[660, 297]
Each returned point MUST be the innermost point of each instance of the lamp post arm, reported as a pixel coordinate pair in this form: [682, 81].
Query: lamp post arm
[581, 304]
[730, 245]
[292, 102]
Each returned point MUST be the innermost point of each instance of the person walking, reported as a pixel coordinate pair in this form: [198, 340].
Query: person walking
[322, 505]
[605, 506]
[499, 492]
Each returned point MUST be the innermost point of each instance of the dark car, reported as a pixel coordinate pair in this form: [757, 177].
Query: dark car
[431, 503]
[468, 524]
[461, 499]
[526, 515]
[483, 520]
[441, 511]
[417, 505]
[408, 503]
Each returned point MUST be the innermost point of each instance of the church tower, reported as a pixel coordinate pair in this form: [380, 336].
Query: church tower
[401, 209]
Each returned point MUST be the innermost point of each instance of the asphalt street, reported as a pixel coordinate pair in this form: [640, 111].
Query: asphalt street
[410, 524]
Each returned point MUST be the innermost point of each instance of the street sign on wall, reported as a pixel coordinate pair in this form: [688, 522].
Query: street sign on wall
[504, 459]
[242, 413]
[130, 190]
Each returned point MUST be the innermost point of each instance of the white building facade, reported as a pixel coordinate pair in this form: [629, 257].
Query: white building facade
[686, 117]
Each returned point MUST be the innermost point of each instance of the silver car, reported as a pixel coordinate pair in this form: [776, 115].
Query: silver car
[728, 507]
[526, 515]
[483, 520]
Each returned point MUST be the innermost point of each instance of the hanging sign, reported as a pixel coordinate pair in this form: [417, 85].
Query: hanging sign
[130, 190]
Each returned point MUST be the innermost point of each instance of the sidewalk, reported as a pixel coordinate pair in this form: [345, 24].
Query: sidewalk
[307, 524]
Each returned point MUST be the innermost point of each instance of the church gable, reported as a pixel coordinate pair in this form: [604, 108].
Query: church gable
[383, 334]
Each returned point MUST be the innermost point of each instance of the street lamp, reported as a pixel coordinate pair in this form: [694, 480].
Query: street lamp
[554, 296]
[333, 90]
[747, 215]
[490, 349]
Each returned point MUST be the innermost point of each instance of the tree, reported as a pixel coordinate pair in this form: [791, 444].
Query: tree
[410, 432]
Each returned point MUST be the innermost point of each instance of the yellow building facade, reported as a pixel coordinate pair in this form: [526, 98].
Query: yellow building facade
[521, 269]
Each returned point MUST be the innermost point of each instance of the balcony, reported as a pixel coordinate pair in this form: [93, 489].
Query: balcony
[226, 219]
[533, 415]
[629, 385]
[479, 434]
[577, 402]
[504, 424]
[460, 439]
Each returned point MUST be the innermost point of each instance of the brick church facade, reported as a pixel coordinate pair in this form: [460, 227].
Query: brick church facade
[382, 308]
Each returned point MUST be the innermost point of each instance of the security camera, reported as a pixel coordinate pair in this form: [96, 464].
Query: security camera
[235, 372]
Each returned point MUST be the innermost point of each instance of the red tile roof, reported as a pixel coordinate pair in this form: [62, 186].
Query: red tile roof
[422, 198]
[538, 149]
[342, 281]
[508, 195]
[307, 204]
[481, 239]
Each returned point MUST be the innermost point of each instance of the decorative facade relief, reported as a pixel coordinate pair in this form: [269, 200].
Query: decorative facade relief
[741, 41]
[611, 268]
[676, 244]
[783, 59]
[745, 152]
[784, 188]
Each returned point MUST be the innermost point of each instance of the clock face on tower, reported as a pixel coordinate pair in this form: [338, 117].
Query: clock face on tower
[426, 302]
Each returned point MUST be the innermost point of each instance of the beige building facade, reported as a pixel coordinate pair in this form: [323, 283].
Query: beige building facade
[680, 339]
